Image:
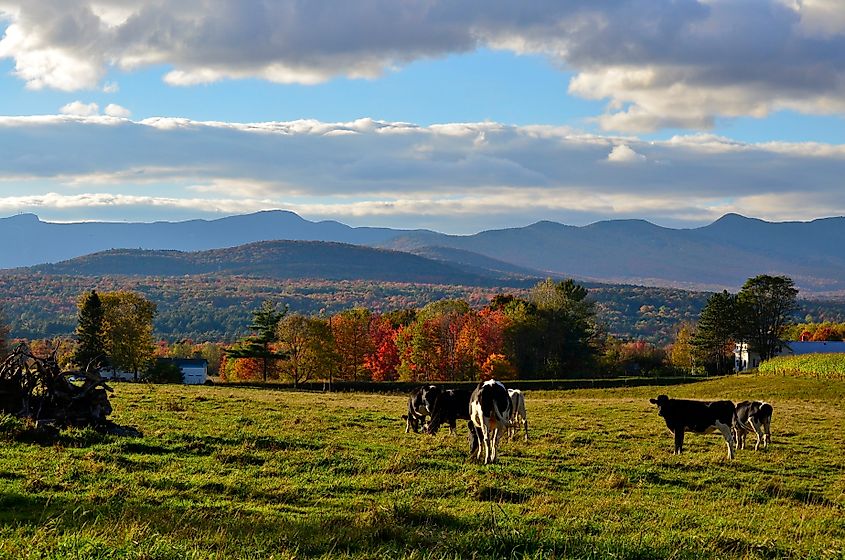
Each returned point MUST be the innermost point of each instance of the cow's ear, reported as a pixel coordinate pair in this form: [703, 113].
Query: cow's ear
[652, 401]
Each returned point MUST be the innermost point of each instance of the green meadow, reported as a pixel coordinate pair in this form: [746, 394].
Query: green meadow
[223, 472]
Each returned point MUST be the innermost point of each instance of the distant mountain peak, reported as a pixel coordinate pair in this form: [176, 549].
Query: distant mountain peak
[22, 218]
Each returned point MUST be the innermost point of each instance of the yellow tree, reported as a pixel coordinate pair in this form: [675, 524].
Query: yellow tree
[682, 351]
[128, 328]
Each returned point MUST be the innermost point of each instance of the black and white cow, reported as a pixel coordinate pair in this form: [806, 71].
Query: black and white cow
[756, 417]
[489, 410]
[518, 416]
[420, 404]
[697, 416]
[449, 407]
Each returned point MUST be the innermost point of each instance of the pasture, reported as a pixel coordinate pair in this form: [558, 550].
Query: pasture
[249, 473]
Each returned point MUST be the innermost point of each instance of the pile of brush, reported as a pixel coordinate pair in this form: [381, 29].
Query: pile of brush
[36, 388]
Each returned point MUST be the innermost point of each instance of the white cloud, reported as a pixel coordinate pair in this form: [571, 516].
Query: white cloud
[114, 110]
[80, 109]
[624, 154]
[111, 87]
[424, 175]
[658, 63]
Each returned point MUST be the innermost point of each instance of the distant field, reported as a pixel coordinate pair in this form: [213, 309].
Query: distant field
[250, 473]
[820, 366]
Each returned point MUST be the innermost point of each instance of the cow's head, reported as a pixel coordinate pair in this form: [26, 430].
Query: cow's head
[660, 401]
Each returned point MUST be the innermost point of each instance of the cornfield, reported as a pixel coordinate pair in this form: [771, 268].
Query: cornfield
[820, 366]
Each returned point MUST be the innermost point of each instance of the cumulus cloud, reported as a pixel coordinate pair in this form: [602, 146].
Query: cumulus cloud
[487, 174]
[658, 63]
[114, 110]
[624, 154]
[80, 109]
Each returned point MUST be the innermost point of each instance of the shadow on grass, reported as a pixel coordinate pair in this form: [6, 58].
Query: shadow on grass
[380, 530]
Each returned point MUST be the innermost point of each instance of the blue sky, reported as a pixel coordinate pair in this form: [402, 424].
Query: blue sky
[456, 116]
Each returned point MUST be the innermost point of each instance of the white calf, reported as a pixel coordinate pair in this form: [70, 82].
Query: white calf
[517, 415]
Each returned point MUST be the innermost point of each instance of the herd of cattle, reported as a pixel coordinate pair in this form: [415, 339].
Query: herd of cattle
[492, 410]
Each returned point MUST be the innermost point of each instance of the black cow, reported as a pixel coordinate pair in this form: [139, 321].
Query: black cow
[753, 416]
[489, 409]
[697, 416]
[420, 405]
[449, 407]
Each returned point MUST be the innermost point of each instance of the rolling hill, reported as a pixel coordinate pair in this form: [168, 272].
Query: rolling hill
[288, 260]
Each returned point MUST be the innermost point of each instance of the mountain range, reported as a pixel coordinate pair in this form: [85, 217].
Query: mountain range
[720, 255]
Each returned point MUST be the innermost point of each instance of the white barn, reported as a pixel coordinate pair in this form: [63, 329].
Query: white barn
[744, 359]
[194, 371]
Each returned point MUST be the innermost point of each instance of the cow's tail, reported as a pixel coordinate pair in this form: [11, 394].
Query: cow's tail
[502, 419]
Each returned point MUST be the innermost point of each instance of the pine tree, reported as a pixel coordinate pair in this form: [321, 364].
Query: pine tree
[265, 324]
[90, 351]
[718, 326]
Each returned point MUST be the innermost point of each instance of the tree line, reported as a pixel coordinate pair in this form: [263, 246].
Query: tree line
[551, 330]
[550, 333]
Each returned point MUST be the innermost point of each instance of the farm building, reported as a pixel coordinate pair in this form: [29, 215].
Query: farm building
[745, 359]
[194, 370]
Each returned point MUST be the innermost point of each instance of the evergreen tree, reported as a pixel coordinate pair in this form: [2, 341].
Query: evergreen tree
[718, 328]
[766, 303]
[91, 344]
[265, 324]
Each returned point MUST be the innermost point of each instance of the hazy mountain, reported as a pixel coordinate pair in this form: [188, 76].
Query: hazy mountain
[722, 254]
[28, 241]
[278, 260]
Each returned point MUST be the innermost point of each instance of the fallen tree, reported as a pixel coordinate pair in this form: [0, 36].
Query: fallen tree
[36, 388]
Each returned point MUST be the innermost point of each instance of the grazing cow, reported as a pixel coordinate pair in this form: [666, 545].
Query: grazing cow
[489, 409]
[450, 406]
[420, 404]
[753, 416]
[696, 416]
[517, 415]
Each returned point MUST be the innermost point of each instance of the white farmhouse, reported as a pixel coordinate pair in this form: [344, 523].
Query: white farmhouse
[194, 370]
[744, 359]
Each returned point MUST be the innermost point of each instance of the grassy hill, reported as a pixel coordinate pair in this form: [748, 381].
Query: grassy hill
[221, 472]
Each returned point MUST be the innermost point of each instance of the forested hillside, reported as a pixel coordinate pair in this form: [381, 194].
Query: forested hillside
[289, 260]
[219, 307]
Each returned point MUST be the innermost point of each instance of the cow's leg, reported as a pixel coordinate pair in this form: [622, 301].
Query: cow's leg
[679, 441]
[473, 439]
[452, 426]
[758, 431]
[729, 437]
[525, 426]
[483, 448]
[767, 432]
[497, 434]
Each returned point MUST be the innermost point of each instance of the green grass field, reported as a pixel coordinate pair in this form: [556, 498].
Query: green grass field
[250, 473]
